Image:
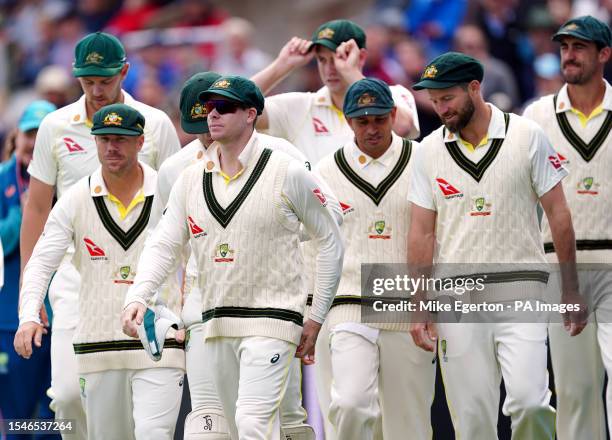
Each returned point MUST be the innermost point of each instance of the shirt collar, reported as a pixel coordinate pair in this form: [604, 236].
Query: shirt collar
[323, 97]
[80, 114]
[97, 187]
[388, 159]
[564, 104]
[246, 157]
[496, 130]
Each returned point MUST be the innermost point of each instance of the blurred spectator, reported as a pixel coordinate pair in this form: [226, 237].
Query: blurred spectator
[411, 57]
[600, 9]
[54, 84]
[540, 28]
[378, 63]
[498, 85]
[23, 383]
[238, 56]
[69, 29]
[152, 61]
[134, 15]
[433, 23]
[548, 79]
[500, 21]
[560, 10]
[96, 13]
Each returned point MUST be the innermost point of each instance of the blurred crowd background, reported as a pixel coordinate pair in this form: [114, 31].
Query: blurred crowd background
[167, 41]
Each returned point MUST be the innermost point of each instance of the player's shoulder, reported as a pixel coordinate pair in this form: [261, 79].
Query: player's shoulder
[524, 123]
[281, 145]
[328, 161]
[182, 158]
[435, 139]
[540, 108]
[63, 115]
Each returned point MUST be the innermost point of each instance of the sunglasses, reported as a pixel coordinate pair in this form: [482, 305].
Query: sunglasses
[222, 106]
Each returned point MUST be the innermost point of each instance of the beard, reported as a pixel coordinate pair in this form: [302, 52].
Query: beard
[581, 76]
[464, 115]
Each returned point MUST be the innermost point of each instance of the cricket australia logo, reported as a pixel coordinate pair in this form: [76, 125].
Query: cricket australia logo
[443, 346]
[326, 34]
[587, 186]
[221, 84]
[124, 275]
[480, 207]
[366, 99]
[82, 386]
[198, 111]
[430, 72]
[112, 119]
[224, 254]
[94, 58]
[379, 230]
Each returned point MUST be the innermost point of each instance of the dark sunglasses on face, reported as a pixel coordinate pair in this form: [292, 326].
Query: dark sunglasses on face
[222, 106]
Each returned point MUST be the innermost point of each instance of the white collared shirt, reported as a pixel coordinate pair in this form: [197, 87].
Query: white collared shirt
[312, 123]
[374, 170]
[65, 150]
[58, 233]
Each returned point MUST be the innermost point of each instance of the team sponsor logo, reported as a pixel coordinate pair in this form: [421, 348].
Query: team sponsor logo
[95, 252]
[308, 166]
[587, 186]
[317, 192]
[10, 191]
[72, 146]
[94, 58]
[124, 275]
[480, 207]
[571, 27]
[562, 159]
[224, 254]
[430, 72]
[448, 190]
[326, 33]
[187, 338]
[207, 423]
[196, 231]
[275, 358]
[443, 346]
[221, 84]
[319, 127]
[379, 230]
[198, 111]
[112, 119]
[555, 161]
[346, 208]
[82, 386]
[366, 99]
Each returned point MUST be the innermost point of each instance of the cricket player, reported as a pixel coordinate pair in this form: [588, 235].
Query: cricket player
[376, 368]
[204, 401]
[314, 123]
[247, 203]
[125, 394]
[578, 120]
[476, 182]
[64, 153]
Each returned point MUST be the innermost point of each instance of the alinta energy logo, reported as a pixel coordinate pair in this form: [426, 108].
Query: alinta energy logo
[196, 231]
[448, 190]
[95, 251]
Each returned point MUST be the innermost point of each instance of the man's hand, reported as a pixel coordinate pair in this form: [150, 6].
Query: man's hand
[576, 320]
[179, 336]
[132, 317]
[296, 53]
[347, 61]
[308, 340]
[44, 318]
[27, 332]
[423, 331]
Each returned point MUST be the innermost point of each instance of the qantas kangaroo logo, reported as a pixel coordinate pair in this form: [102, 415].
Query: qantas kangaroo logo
[447, 189]
[93, 249]
[195, 229]
[319, 126]
[72, 146]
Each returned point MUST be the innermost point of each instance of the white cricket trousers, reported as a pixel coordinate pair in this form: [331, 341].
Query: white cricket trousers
[132, 404]
[64, 391]
[250, 375]
[473, 359]
[391, 377]
[200, 372]
[580, 362]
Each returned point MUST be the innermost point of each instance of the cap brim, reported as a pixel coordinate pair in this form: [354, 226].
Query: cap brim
[95, 71]
[369, 111]
[115, 130]
[195, 127]
[223, 92]
[430, 84]
[579, 35]
[325, 43]
[28, 125]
